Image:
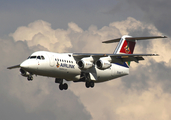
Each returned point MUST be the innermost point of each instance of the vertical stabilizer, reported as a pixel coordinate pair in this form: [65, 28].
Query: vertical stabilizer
[127, 43]
[125, 46]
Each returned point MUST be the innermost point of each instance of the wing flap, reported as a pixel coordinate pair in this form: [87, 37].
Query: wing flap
[135, 59]
[121, 58]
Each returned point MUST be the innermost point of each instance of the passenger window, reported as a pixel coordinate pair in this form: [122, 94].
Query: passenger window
[42, 57]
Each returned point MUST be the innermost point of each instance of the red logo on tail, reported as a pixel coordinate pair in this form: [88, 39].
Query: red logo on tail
[127, 47]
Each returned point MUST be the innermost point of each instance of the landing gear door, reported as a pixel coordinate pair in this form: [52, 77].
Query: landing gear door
[93, 76]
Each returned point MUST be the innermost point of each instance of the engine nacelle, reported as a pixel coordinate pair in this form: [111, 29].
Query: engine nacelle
[24, 73]
[82, 64]
[103, 64]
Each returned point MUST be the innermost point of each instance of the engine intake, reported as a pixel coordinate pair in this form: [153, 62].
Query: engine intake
[24, 73]
[103, 64]
[82, 64]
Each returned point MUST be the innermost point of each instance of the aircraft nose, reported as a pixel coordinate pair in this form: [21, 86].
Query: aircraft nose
[24, 64]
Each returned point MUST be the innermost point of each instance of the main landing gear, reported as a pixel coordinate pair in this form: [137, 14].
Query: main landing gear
[61, 85]
[30, 78]
[88, 82]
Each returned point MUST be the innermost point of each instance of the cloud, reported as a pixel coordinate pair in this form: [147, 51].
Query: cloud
[39, 99]
[41, 33]
[144, 94]
[155, 12]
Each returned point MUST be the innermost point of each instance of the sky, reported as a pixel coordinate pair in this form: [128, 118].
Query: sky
[81, 26]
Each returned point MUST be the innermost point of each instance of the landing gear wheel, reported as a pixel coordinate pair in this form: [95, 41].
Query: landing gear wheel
[91, 84]
[63, 86]
[30, 78]
[87, 85]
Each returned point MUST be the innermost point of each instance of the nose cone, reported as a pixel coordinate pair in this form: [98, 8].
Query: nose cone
[24, 64]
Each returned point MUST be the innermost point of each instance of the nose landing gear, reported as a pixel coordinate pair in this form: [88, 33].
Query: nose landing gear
[30, 78]
[61, 85]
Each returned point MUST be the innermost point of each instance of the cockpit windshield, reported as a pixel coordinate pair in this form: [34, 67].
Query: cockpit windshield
[33, 57]
[40, 57]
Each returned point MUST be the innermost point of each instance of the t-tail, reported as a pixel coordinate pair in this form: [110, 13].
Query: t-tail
[125, 47]
[127, 44]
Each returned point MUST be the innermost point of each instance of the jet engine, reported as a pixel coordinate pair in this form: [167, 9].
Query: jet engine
[103, 64]
[82, 64]
[24, 73]
[85, 63]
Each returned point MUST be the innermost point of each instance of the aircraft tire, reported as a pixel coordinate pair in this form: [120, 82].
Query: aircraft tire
[91, 84]
[87, 84]
[65, 86]
[29, 78]
[61, 87]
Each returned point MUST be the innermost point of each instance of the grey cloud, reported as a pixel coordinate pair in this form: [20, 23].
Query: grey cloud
[155, 12]
[42, 95]
[140, 78]
[40, 99]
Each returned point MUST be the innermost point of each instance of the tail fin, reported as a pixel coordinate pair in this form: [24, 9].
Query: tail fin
[125, 46]
[127, 43]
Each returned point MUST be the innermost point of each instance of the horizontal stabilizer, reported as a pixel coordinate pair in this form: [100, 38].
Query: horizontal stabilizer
[16, 66]
[133, 39]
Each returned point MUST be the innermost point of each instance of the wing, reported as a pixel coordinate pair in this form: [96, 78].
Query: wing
[116, 58]
[12, 67]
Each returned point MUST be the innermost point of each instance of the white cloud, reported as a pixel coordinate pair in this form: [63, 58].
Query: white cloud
[139, 96]
[40, 99]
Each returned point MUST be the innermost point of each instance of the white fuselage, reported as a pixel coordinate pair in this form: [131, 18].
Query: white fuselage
[63, 65]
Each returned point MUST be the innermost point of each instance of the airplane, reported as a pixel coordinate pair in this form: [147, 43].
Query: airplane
[84, 67]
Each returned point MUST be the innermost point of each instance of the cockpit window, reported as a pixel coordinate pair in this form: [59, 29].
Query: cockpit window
[33, 57]
[38, 57]
[42, 57]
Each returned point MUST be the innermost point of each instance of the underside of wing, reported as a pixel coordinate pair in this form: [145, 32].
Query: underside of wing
[120, 58]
